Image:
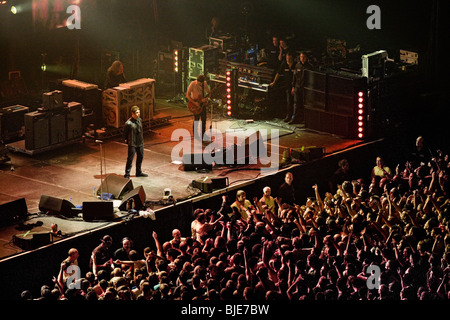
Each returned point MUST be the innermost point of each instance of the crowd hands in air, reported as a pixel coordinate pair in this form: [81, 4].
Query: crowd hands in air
[320, 250]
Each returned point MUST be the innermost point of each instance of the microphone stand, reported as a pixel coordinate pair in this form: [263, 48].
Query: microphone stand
[102, 161]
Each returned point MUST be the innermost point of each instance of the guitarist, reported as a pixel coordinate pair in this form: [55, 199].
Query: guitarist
[197, 95]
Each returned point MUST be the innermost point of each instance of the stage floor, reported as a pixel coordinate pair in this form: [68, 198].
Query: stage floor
[74, 171]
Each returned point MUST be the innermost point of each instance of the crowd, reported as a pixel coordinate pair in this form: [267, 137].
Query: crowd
[383, 238]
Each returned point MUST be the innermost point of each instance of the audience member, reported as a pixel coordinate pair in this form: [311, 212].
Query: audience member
[101, 257]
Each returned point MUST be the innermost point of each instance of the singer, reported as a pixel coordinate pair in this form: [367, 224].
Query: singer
[134, 137]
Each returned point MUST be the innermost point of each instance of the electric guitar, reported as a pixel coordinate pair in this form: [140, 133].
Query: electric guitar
[197, 108]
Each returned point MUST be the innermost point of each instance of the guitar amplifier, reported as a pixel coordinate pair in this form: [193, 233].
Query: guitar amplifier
[37, 133]
[74, 116]
[12, 121]
[58, 127]
[52, 100]
[89, 95]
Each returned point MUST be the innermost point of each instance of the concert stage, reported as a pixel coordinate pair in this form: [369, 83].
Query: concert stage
[74, 173]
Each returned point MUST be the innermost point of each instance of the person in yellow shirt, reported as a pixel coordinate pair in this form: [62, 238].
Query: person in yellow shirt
[267, 200]
[381, 170]
[241, 205]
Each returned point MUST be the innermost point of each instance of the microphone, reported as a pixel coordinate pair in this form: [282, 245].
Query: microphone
[98, 141]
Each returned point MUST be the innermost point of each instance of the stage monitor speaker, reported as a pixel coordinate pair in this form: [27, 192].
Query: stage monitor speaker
[55, 205]
[246, 152]
[98, 211]
[307, 153]
[13, 212]
[116, 185]
[194, 162]
[220, 182]
[137, 195]
[203, 184]
[31, 240]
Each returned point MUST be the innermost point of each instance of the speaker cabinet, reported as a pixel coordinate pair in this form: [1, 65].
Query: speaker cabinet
[52, 100]
[137, 195]
[204, 185]
[194, 162]
[13, 212]
[55, 205]
[116, 185]
[32, 241]
[98, 211]
[37, 134]
[12, 121]
[74, 116]
[57, 127]
[220, 182]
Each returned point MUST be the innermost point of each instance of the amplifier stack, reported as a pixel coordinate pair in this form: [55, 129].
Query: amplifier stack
[55, 123]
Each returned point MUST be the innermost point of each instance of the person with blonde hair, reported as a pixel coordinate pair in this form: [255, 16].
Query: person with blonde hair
[115, 75]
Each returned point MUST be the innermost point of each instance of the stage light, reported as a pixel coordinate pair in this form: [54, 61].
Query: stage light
[230, 76]
[43, 67]
[13, 10]
[175, 60]
[360, 126]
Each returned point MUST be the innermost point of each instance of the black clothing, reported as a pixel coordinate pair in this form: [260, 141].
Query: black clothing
[113, 80]
[338, 177]
[298, 82]
[286, 74]
[287, 194]
[133, 134]
[272, 53]
[199, 120]
[121, 254]
[102, 255]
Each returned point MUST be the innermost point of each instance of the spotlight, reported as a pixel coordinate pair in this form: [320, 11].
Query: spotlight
[13, 10]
